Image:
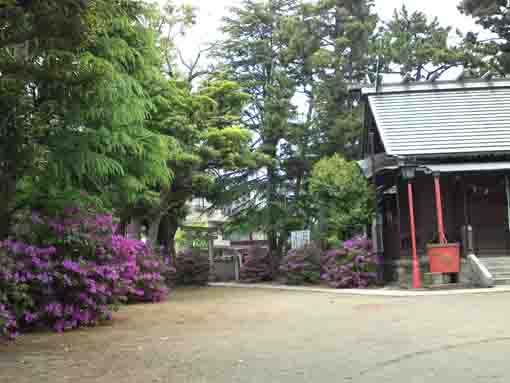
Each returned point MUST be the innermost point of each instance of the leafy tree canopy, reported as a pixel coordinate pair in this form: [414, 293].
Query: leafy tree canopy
[494, 16]
[73, 111]
[344, 197]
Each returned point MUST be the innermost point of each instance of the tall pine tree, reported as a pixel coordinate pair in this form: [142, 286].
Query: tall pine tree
[494, 52]
[296, 60]
[415, 47]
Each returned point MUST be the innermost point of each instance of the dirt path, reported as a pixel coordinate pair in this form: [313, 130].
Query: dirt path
[238, 335]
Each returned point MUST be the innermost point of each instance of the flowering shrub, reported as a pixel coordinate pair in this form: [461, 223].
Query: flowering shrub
[302, 266]
[148, 280]
[169, 272]
[256, 266]
[193, 267]
[8, 324]
[72, 271]
[352, 266]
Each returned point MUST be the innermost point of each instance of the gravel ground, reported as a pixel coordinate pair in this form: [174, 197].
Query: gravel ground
[247, 335]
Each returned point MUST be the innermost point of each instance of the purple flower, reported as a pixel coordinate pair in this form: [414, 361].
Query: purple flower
[54, 309]
[30, 317]
[110, 268]
[72, 266]
[59, 326]
[36, 218]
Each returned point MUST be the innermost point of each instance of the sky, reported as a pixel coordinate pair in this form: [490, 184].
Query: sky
[211, 12]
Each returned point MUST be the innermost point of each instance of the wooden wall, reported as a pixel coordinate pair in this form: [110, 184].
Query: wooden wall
[479, 200]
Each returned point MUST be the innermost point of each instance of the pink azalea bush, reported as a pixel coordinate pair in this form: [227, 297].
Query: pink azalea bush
[256, 266]
[192, 267]
[72, 271]
[302, 266]
[352, 266]
[8, 323]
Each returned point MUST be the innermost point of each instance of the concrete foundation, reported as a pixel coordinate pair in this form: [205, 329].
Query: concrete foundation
[403, 274]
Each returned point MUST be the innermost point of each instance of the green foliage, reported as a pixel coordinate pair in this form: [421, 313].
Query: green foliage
[209, 143]
[344, 198]
[255, 54]
[195, 236]
[492, 53]
[74, 102]
[344, 29]
[92, 99]
[412, 45]
[481, 8]
[281, 51]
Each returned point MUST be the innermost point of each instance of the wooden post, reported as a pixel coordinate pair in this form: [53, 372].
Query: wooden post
[439, 210]
[416, 264]
[211, 236]
[399, 217]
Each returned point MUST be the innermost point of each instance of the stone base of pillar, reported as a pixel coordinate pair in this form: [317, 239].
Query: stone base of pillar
[403, 273]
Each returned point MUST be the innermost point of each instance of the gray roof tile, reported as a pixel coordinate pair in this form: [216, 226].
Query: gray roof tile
[416, 121]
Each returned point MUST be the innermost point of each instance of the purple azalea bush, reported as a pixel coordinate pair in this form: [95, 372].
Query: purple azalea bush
[8, 324]
[193, 268]
[302, 266]
[352, 266]
[256, 266]
[72, 271]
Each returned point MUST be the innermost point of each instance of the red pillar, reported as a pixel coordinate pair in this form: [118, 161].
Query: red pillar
[439, 210]
[416, 263]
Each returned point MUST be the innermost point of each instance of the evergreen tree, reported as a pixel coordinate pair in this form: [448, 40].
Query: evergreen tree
[345, 27]
[201, 125]
[414, 47]
[211, 144]
[296, 60]
[254, 55]
[73, 102]
[490, 53]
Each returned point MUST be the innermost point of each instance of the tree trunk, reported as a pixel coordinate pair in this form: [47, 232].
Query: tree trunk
[125, 220]
[5, 224]
[136, 224]
[153, 231]
[7, 197]
[272, 232]
[274, 254]
[168, 229]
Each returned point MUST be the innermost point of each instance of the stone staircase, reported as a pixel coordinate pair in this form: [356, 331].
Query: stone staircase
[499, 267]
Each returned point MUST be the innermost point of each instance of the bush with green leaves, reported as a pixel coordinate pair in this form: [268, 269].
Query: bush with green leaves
[344, 197]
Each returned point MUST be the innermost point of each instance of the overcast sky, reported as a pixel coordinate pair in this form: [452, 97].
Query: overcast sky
[211, 12]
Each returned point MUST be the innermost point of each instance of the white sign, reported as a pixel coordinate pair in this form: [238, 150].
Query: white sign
[299, 239]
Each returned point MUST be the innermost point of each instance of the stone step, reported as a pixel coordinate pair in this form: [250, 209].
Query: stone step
[499, 272]
[501, 281]
[448, 286]
[500, 275]
[496, 260]
[499, 269]
[492, 263]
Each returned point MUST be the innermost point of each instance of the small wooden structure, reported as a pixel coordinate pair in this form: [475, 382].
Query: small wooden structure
[438, 154]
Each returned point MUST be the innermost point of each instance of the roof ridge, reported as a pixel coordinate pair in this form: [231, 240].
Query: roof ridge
[427, 86]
